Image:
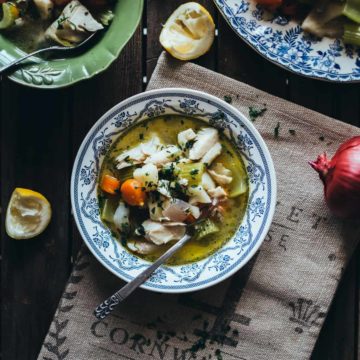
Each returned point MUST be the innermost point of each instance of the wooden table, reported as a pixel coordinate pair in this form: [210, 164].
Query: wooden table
[42, 130]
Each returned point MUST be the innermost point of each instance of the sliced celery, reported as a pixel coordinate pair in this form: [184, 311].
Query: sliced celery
[352, 10]
[238, 186]
[108, 211]
[205, 228]
[126, 173]
[9, 15]
[352, 34]
[192, 172]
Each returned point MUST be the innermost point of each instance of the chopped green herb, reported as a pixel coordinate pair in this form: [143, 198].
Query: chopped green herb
[194, 171]
[277, 130]
[218, 354]
[228, 99]
[255, 113]
[189, 144]
[292, 132]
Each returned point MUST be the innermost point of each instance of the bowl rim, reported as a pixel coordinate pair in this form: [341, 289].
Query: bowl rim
[255, 132]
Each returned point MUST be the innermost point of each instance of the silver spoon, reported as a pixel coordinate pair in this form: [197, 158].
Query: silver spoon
[109, 304]
[56, 48]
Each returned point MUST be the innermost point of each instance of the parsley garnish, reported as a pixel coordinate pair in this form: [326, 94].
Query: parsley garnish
[255, 113]
[277, 130]
[228, 99]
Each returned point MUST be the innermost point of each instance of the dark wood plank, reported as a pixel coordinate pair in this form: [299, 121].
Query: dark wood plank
[238, 60]
[35, 154]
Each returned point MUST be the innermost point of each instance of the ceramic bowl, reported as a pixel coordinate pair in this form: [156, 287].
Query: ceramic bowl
[58, 73]
[283, 42]
[246, 139]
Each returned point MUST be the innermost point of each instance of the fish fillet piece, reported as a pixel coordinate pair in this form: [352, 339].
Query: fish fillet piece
[221, 174]
[212, 154]
[165, 155]
[162, 233]
[198, 195]
[185, 136]
[205, 139]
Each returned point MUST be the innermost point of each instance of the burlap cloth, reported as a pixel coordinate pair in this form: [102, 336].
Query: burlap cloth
[273, 308]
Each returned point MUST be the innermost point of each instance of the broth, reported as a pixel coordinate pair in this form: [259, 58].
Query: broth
[167, 127]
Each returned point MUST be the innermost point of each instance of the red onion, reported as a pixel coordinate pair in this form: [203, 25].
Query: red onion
[341, 178]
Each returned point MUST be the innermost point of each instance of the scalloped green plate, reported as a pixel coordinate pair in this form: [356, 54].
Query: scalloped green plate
[59, 73]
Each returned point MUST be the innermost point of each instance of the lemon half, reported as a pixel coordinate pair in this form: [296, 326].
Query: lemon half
[28, 214]
[189, 32]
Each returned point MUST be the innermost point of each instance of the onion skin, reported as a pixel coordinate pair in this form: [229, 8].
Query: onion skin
[341, 178]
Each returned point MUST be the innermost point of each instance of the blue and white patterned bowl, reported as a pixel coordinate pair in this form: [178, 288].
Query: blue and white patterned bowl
[283, 42]
[250, 234]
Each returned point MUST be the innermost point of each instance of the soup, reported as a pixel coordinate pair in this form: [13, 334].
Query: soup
[166, 173]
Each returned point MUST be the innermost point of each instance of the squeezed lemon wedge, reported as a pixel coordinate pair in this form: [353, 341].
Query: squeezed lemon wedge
[28, 214]
[189, 32]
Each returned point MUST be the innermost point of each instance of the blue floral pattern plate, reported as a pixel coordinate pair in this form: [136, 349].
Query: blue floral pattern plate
[283, 42]
[251, 232]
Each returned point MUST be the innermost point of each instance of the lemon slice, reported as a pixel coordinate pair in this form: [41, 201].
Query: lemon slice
[189, 32]
[28, 214]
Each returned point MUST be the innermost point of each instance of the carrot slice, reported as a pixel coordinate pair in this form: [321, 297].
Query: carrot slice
[133, 193]
[110, 184]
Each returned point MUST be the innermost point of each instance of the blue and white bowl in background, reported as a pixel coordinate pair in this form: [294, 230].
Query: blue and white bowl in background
[283, 42]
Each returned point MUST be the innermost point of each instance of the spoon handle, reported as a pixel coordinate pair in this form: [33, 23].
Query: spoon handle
[18, 61]
[108, 305]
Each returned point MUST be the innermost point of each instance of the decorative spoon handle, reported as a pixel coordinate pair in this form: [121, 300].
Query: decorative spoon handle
[109, 304]
[50, 48]
[18, 61]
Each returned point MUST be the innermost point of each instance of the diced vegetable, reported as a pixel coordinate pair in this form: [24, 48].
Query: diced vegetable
[110, 184]
[238, 186]
[352, 34]
[192, 172]
[10, 14]
[352, 10]
[133, 193]
[323, 23]
[110, 206]
[205, 228]
[126, 173]
[106, 17]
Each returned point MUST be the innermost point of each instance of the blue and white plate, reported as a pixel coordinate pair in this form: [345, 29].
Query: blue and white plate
[283, 42]
[250, 234]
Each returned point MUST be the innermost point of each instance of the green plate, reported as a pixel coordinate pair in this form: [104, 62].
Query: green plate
[59, 73]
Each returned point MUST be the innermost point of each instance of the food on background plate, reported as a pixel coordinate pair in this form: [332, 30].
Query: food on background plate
[28, 214]
[165, 173]
[33, 24]
[331, 18]
[341, 178]
[189, 32]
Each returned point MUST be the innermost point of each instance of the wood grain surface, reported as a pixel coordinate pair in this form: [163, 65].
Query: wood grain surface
[42, 130]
